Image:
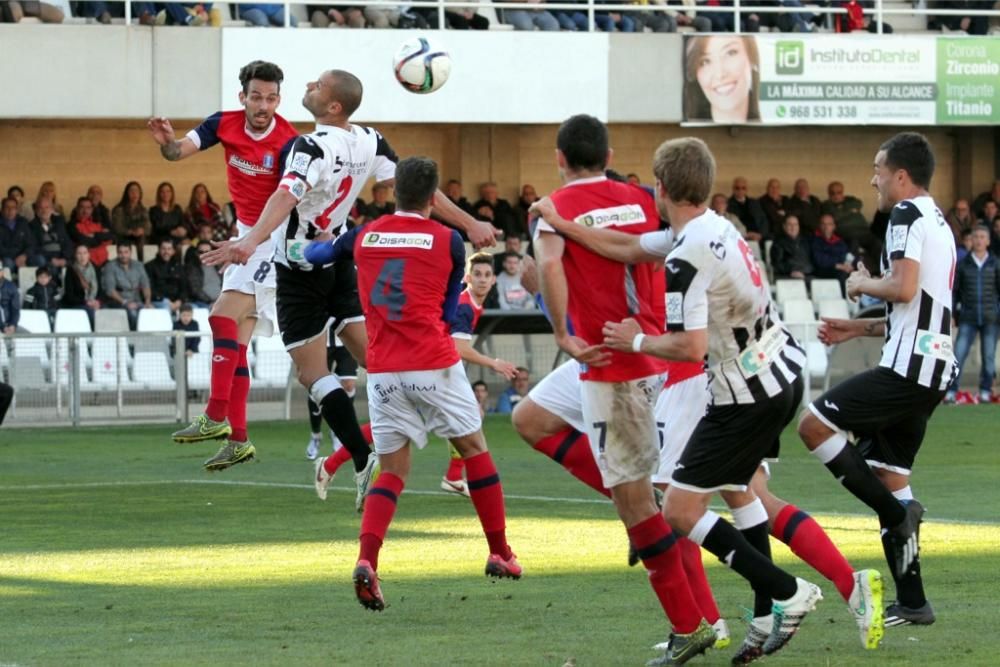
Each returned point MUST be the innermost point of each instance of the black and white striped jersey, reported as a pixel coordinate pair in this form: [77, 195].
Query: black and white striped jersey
[714, 282]
[918, 334]
[325, 170]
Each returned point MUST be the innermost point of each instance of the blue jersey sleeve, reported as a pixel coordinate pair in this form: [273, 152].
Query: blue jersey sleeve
[208, 131]
[327, 252]
[461, 324]
[455, 279]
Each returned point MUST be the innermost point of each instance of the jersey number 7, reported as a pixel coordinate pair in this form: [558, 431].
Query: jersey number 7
[388, 289]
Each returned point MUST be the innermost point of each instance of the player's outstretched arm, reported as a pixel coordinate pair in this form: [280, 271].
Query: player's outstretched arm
[832, 331]
[618, 246]
[278, 207]
[170, 147]
[480, 234]
[471, 355]
[627, 336]
[899, 286]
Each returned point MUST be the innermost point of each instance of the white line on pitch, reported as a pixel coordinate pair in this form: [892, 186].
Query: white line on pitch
[415, 492]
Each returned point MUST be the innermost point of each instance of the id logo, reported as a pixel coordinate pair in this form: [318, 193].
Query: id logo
[790, 57]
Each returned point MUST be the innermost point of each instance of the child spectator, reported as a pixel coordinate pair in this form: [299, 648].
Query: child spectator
[10, 305]
[513, 295]
[43, 295]
[186, 322]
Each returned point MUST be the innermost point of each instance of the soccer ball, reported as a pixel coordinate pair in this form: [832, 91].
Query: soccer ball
[421, 65]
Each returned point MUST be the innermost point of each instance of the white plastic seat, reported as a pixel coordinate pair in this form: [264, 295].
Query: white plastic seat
[35, 321]
[62, 372]
[273, 363]
[199, 370]
[835, 308]
[25, 278]
[110, 319]
[825, 290]
[151, 371]
[72, 320]
[201, 315]
[110, 362]
[153, 319]
[27, 373]
[790, 289]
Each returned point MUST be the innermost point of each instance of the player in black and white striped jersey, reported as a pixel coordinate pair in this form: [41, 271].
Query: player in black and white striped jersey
[887, 408]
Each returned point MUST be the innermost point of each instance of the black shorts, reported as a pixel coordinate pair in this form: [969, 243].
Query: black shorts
[309, 301]
[886, 413]
[340, 361]
[730, 442]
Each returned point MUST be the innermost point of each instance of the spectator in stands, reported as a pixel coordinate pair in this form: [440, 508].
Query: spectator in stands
[43, 295]
[570, 19]
[512, 294]
[529, 19]
[511, 245]
[633, 179]
[52, 242]
[991, 212]
[17, 243]
[184, 13]
[383, 15]
[976, 298]
[960, 218]
[977, 204]
[10, 305]
[47, 190]
[325, 16]
[126, 284]
[459, 19]
[167, 281]
[80, 284]
[453, 190]
[722, 78]
[720, 205]
[804, 206]
[96, 9]
[186, 322]
[995, 238]
[495, 210]
[748, 210]
[203, 209]
[166, 217]
[846, 212]
[608, 21]
[24, 208]
[717, 21]
[964, 245]
[786, 22]
[971, 25]
[85, 231]
[513, 394]
[380, 204]
[101, 213]
[15, 10]
[130, 219]
[204, 282]
[528, 197]
[482, 393]
[657, 20]
[204, 234]
[263, 14]
[830, 252]
[774, 204]
[790, 252]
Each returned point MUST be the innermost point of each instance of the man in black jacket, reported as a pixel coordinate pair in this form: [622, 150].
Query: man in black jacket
[17, 244]
[167, 282]
[976, 303]
[790, 252]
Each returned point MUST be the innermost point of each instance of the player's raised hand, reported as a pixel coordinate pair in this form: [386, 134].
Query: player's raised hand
[228, 252]
[832, 331]
[504, 368]
[546, 210]
[579, 349]
[482, 235]
[162, 130]
[619, 335]
[855, 282]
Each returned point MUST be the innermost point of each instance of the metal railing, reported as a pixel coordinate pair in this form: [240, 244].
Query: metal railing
[738, 10]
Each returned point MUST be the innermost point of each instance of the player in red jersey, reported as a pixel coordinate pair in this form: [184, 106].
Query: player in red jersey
[253, 140]
[409, 277]
[618, 388]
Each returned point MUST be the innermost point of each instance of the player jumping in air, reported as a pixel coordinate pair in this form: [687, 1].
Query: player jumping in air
[253, 139]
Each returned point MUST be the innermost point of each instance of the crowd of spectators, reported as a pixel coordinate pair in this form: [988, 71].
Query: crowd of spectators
[655, 15]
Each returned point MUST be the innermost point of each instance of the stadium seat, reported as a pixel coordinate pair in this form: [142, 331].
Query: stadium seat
[825, 290]
[800, 319]
[107, 320]
[27, 373]
[150, 370]
[790, 289]
[62, 371]
[110, 362]
[201, 315]
[836, 308]
[35, 321]
[73, 320]
[25, 278]
[273, 364]
[153, 319]
[149, 251]
[199, 370]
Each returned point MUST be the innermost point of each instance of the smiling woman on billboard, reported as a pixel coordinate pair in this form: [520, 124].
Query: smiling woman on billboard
[721, 79]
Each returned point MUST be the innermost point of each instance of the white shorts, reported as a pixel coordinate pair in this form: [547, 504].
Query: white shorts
[256, 278]
[559, 393]
[621, 427]
[408, 405]
[678, 410]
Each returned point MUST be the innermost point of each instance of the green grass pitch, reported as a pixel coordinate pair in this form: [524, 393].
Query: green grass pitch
[116, 548]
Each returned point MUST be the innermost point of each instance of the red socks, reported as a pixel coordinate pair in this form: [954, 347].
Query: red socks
[380, 505]
[335, 460]
[225, 351]
[238, 397]
[366, 433]
[455, 468]
[657, 547]
[487, 497]
[808, 541]
[695, 571]
[571, 449]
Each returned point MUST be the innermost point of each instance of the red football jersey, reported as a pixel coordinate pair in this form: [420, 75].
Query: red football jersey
[678, 371]
[253, 161]
[410, 272]
[602, 290]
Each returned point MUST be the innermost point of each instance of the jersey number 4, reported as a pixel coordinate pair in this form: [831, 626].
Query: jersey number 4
[388, 288]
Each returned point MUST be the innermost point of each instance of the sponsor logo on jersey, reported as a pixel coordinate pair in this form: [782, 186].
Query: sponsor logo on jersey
[397, 240]
[384, 392]
[249, 168]
[675, 308]
[616, 216]
[268, 161]
[300, 163]
[935, 345]
[898, 241]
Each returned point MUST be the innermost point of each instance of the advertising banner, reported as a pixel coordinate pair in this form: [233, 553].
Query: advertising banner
[841, 80]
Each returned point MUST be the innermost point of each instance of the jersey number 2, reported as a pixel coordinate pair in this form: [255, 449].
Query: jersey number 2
[750, 262]
[388, 288]
[323, 220]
